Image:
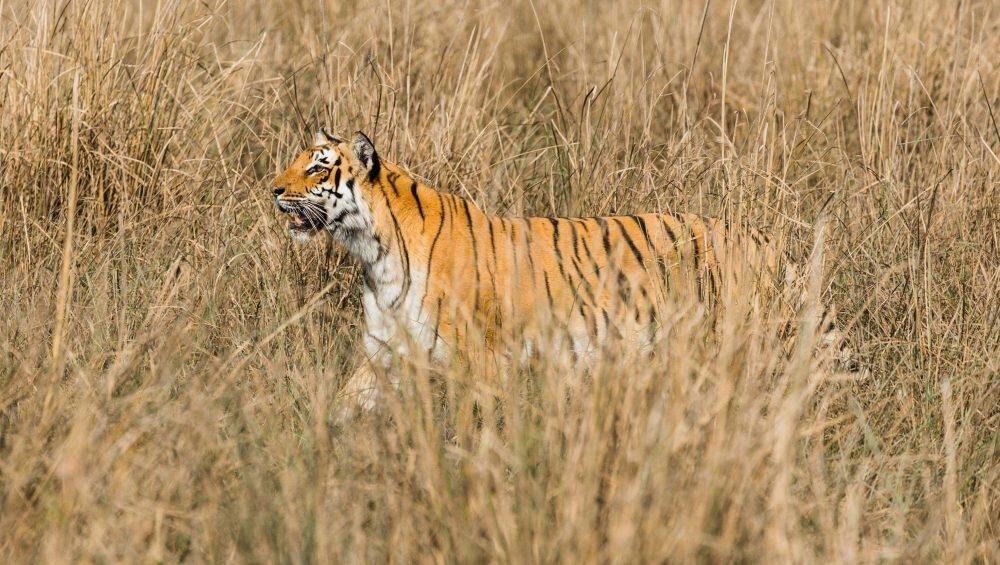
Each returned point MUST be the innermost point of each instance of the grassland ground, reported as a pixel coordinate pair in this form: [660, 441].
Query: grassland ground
[169, 362]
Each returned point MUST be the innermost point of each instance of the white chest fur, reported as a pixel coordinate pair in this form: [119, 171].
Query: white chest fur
[395, 322]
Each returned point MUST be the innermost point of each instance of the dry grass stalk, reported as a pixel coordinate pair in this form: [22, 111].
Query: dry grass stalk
[169, 363]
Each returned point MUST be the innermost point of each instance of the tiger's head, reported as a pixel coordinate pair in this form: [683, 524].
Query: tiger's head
[326, 187]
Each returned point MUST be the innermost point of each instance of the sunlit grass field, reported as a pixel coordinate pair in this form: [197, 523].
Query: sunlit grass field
[170, 361]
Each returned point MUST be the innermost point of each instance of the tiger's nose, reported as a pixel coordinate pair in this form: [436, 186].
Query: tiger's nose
[279, 191]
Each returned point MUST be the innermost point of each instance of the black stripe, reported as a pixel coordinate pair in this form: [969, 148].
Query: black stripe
[437, 325]
[652, 248]
[406, 255]
[652, 324]
[493, 271]
[555, 244]
[628, 240]
[574, 288]
[624, 290]
[513, 250]
[673, 238]
[712, 266]
[577, 261]
[576, 239]
[548, 291]
[641, 224]
[475, 251]
[384, 343]
[420, 206]
[590, 257]
[391, 177]
[605, 237]
[430, 254]
[408, 280]
[697, 262]
[493, 243]
[339, 217]
[527, 248]
[590, 320]
[670, 232]
[611, 328]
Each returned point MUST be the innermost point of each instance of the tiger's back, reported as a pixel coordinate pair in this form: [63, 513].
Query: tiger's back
[597, 278]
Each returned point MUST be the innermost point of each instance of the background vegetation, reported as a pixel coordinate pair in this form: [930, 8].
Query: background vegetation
[169, 362]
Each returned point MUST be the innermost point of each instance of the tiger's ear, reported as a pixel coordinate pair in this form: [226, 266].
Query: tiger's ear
[364, 149]
[323, 137]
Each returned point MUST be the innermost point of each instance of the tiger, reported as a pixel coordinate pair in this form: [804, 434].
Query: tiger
[440, 276]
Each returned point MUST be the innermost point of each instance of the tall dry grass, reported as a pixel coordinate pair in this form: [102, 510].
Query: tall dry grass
[169, 362]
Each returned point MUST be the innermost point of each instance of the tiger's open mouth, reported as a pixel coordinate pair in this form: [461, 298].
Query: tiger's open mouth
[304, 217]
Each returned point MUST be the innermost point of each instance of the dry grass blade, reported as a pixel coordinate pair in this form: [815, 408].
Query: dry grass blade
[140, 255]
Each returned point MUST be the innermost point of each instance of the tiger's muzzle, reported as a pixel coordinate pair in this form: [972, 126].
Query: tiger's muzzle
[304, 216]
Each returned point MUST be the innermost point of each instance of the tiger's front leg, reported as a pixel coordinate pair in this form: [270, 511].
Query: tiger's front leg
[360, 393]
[363, 389]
